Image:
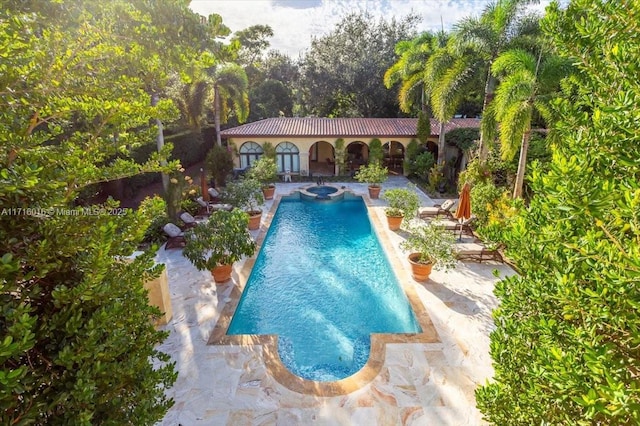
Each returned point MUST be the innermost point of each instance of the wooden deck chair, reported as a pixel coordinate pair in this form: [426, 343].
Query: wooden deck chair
[438, 210]
[176, 236]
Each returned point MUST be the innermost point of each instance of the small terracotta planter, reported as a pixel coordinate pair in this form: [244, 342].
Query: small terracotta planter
[268, 192]
[374, 192]
[254, 220]
[420, 271]
[221, 273]
[394, 222]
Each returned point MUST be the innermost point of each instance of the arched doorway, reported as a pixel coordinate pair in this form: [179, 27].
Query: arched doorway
[322, 158]
[357, 155]
[287, 157]
[249, 152]
[393, 155]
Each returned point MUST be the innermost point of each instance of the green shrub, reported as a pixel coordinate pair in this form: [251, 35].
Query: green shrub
[565, 347]
[219, 164]
[375, 151]
[423, 165]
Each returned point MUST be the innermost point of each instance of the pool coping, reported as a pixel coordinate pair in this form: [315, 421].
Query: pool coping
[269, 343]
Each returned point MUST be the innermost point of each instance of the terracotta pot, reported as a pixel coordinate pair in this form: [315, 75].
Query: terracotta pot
[420, 271]
[254, 220]
[221, 273]
[268, 192]
[394, 222]
[374, 192]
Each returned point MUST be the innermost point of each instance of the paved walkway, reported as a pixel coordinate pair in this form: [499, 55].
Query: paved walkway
[419, 383]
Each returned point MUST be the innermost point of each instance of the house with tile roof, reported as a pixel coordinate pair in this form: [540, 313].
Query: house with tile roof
[307, 145]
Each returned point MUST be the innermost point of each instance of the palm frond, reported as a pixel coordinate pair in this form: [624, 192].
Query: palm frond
[516, 121]
[513, 61]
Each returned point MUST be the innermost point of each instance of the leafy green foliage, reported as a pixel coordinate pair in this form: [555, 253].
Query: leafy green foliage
[422, 166]
[375, 151]
[402, 202]
[264, 170]
[219, 163]
[465, 139]
[341, 155]
[434, 243]
[565, 348]
[373, 174]
[222, 240]
[341, 74]
[78, 344]
[245, 194]
[424, 127]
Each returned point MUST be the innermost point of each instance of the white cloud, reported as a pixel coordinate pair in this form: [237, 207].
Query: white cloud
[296, 22]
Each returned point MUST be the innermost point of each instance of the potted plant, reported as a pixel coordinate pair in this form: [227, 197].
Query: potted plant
[246, 194]
[429, 245]
[219, 242]
[403, 204]
[373, 174]
[264, 170]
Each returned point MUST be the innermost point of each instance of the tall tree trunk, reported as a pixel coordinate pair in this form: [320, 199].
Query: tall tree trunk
[441, 144]
[522, 165]
[216, 106]
[160, 144]
[489, 93]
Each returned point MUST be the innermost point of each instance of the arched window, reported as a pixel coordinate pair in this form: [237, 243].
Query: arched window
[287, 157]
[249, 152]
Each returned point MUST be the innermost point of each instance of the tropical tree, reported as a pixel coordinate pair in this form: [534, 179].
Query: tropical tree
[475, 44]
[230, 86]
[528, 83]
[76, 342]
[409, 71]
[342, 71]
[413, 70]
[565, 347]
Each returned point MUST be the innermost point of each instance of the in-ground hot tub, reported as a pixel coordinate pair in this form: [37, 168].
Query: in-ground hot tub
[322, 192]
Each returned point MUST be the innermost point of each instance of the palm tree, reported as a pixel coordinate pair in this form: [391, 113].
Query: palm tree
[527, 84]
[190, 99]
[409, 70]
[412, 72]
[230, 85]
[475, 44]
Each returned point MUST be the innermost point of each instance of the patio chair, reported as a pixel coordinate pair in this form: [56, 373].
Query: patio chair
[477, 251]
[176, 236]
[214, 195]
[438, 210]
[453, 225]
[188, 220]
[208, 207]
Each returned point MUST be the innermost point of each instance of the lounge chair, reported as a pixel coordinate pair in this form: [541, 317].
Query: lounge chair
[454, 225]
[176, 236]
[438, 210]
[188, 220]
[477, 252]
[214, 195]
[208, 207]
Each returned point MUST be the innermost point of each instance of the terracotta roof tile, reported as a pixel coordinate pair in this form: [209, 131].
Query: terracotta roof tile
[341, 127]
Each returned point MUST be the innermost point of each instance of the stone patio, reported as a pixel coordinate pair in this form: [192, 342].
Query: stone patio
[420, 383]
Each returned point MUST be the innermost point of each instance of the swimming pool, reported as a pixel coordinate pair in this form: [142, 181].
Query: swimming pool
[323, 284]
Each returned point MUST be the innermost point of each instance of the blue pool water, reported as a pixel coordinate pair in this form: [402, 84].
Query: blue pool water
[323, 284]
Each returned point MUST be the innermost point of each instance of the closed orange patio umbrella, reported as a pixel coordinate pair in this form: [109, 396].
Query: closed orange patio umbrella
[463, 212]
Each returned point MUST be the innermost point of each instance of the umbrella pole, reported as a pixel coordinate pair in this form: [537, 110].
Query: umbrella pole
[460, 238]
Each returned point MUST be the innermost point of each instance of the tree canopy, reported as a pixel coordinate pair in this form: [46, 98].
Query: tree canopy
[77, 343]
[342, 73]
[566, 344]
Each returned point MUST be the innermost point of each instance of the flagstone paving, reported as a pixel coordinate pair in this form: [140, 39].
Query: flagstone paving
[425, 383]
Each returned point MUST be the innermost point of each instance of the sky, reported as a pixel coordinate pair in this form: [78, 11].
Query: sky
[296, 22]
